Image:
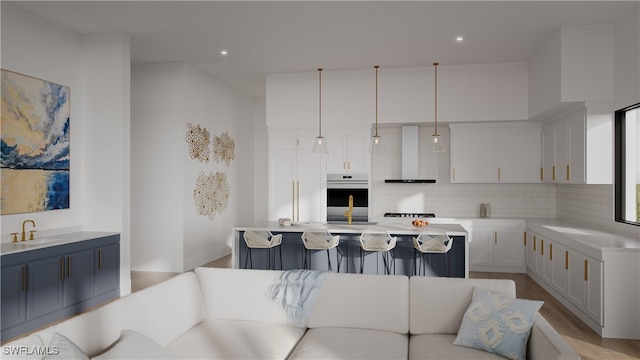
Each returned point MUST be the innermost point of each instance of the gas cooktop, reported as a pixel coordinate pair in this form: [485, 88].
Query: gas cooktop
[411, 215]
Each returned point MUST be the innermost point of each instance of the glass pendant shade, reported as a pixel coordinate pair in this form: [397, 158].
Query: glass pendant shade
[436, 144]
[320, 145]
[376, 145]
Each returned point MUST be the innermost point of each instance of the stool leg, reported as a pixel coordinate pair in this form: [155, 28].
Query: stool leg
[280, 251]
[361, 261]
[329, 260]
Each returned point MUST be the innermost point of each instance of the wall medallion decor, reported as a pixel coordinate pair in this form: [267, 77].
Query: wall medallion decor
[198, 141]
[211, 194]
[34, 142]
[224, 148]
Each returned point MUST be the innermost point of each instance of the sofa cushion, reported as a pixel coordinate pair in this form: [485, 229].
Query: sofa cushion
[349, 343]
[17, 349]
[171, 307]
[438, 304]
[62, 348]
[497, 323]
[239, 294]
[378, 302]
[96, 330]
[134, 345]
[440, 347]
[235, 339]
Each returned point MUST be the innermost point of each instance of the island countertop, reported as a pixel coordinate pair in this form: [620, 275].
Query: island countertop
[394, 228]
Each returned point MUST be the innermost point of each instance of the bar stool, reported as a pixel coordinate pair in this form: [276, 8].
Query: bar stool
[262, 239]
[319, 240]
[377, 241]
[428, 244]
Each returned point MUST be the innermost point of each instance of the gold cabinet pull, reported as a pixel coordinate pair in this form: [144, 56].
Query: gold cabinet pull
[566, 260]
[525, 238]
[534, 242]
[586, 270]
[99, 259]
[553, 173]
[293, 200]
[298, 202]
[550, 252]
[568, 173]
[541, 173]
[62, 268]
[24, 277]
[541, 246]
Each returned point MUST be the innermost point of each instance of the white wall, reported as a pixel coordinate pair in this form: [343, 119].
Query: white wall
[260, 162]
[96, 68]
[169, 234]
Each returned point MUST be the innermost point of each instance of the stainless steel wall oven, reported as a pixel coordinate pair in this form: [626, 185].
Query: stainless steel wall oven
[339, 187]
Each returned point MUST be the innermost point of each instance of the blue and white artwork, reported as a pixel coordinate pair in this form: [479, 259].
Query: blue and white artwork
[34, 144]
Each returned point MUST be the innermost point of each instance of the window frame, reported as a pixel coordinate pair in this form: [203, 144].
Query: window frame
[619, 165]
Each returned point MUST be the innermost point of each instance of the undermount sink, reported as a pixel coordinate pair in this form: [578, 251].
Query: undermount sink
[39, 241]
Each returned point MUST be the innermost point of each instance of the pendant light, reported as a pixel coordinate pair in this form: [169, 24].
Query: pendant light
[436, 143]
[376, 145]
[320, 145]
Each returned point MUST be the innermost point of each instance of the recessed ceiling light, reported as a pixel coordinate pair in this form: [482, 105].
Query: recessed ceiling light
[224, 52]
[459, 38]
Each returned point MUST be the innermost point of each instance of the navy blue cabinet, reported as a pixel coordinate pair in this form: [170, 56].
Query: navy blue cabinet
[44, 285]
[13, 295]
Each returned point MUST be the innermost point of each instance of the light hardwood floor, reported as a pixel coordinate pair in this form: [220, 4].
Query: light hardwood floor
[582, 339]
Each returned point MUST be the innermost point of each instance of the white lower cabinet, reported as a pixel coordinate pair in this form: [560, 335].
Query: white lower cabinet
[572, 277]
[497, 245]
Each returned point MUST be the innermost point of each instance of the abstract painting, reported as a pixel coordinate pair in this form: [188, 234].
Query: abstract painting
[34, 145]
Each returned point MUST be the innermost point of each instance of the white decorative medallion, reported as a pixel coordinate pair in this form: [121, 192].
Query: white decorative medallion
[198, 141]
[224, 148]
[211, 194]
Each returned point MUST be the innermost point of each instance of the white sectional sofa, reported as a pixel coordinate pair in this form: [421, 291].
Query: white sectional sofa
[224, 314]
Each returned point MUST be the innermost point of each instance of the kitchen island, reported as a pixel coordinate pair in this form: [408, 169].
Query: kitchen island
[348, 250]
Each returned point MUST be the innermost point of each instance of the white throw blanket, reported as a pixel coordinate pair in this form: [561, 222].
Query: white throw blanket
[296, 292]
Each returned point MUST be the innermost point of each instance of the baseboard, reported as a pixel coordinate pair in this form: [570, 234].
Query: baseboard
[201, 259]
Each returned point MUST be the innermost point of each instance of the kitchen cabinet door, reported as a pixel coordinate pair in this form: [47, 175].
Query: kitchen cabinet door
[518, 155]
[509, 249]
[348, 152]
[585, 287]
[481, 247]
[540, 257]
[473, 158]
[577, 284]
[45, 293]
[575, 170]
[549, 154]
[296, 178]
[559, 259]
[107, 268]
[79, 280]
[13, 296]
[546, 255]
[594, 289]
[531, 251]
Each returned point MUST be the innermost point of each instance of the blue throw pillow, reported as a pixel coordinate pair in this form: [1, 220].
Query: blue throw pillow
[498, 324]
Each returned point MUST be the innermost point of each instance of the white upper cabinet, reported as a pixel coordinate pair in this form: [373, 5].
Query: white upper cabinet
[348, 152]
[496, 153]
[577, 145]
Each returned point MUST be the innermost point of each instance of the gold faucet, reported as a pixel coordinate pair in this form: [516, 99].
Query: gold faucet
[33, 223]
[349, 213]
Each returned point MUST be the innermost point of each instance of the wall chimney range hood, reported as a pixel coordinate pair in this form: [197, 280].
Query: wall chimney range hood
[410, 154]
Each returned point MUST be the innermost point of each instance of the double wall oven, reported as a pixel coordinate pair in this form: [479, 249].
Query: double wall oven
[339, 187]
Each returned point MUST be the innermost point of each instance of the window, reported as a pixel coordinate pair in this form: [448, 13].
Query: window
[627, 163]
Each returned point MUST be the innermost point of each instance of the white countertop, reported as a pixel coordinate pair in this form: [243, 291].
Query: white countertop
[395, 228]
[53, 240]
[591, 240]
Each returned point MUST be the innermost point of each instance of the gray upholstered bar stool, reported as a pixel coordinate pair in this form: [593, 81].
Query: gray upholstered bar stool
[262, 239]
[377, 241]
[319, 240]
[429, 244]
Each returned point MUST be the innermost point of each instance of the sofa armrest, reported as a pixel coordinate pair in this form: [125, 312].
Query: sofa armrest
[546, 343]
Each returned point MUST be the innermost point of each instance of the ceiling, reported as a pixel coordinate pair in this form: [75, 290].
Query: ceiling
[292, 36]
